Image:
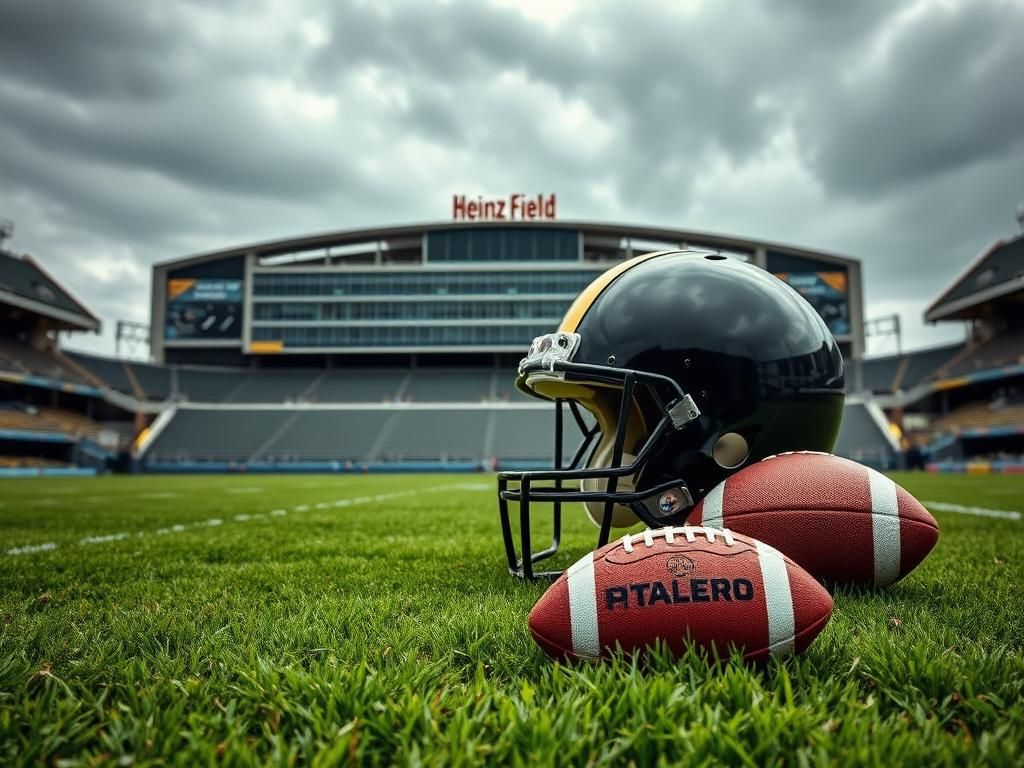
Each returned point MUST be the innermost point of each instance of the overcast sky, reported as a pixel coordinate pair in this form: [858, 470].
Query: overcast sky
[135, 132]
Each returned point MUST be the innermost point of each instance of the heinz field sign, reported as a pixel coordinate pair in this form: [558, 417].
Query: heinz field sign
[516, 207]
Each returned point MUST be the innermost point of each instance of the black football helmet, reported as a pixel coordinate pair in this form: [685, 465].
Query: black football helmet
[687, 366]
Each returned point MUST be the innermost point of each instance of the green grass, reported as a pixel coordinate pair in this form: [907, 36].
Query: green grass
[388, 632]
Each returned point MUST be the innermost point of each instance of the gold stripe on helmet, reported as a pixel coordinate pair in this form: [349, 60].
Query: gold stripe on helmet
[579, 307]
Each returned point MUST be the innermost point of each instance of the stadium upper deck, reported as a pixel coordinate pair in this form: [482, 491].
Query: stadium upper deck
[456, 288]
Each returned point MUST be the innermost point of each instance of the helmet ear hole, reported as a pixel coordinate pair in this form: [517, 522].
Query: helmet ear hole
[730, 450]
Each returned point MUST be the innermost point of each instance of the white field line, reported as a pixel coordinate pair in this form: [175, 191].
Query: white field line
[1002, 514]
[244, 489]
[29, 549]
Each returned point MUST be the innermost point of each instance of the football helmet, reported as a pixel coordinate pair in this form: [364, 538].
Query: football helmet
[679, 368]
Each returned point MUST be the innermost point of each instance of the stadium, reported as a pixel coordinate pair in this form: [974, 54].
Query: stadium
[275, 538]
[395, 349]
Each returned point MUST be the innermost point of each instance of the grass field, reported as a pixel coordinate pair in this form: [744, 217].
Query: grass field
[319, 620]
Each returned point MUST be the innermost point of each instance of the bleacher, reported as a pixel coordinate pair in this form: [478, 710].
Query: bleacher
[394, 435]
[450, 385]
[217, 435]
[360, 386]
[327, 436]
[417, 435]
[980, 414]
[21, 358]
[861, 439]
[33, 462]
[1002, 350]
[880, 373]
[111, 372]
[922, 366]
[155, 380]
[15, 416]
[273, 387]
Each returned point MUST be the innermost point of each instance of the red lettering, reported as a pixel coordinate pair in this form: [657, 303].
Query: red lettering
[549, 207]
[516, 206]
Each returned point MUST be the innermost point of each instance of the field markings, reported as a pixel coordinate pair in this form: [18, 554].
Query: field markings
[29, 549]
[244, 489]
[960, 509]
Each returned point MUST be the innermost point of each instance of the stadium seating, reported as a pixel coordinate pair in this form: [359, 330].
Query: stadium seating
[980, 414]
[329, 436]
[365, 385]
[208, 386]
[919, 367]
[111, 372]
[861, 439]
[411, 434]
[273, 386]
[155, 380]
[1000, 351]
[455, 435]
[35, 462]
[22, 358]
[217, 435]
[879, 373]
[465, 385]
[23, 417]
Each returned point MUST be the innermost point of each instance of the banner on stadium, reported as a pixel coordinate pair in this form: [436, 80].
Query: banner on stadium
[203, 308]
[827, 292]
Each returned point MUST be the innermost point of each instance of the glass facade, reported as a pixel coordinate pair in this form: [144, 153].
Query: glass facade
[454, 336]
[324, 309]
[312, 311]
[490, 244]
[421, 283]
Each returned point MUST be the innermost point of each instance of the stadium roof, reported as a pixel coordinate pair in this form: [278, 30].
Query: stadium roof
[997, 272]
[26, 285]
[408, 231]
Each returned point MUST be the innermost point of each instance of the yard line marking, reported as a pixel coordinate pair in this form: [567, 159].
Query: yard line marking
[1002, 514]
[103, 539]
[473, 487]
[43, 502]
[244, 489]
[241, 518]
[158, 495]
[28, 549]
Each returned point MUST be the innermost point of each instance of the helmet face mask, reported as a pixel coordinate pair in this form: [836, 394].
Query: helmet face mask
[668, 356]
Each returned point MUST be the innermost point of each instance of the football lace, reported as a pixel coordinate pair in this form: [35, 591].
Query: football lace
[689, 531]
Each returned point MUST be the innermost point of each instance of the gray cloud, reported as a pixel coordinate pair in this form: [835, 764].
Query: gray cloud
[893, 132]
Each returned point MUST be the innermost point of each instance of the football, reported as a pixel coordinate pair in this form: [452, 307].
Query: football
[841, 521]
[715, 589]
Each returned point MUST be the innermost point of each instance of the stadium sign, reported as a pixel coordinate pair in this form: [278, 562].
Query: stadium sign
[516, 207]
